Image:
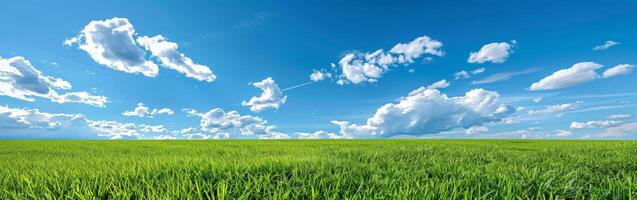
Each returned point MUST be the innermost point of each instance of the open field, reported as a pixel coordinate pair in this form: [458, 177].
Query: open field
[318, 169]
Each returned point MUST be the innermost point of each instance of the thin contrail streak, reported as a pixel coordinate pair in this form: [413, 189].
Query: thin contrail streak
[296, 86]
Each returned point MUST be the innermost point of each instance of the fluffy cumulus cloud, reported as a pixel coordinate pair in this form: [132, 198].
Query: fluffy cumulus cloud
[142, 111]
[171, 58]
[359, 67]
[493, 52]
[621, 69]
[164, 137]
[193, 133]
[605, 46]
[321, 135]
[32, 123]
[462, 74]
[16, 118]
[21, 80]
[271, 96]
[110, 42]
[428, 111]
[578, 74]
[595, 124]
[114, 43]
[117, 130]
[476, 130]
[152, 129]
[221, 124]
[552, 109]
[414, 49]
[184, 131]
[319, 75]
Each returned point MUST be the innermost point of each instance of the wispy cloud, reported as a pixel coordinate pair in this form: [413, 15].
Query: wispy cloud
[256, 21]
[605, 46]
[503, 76]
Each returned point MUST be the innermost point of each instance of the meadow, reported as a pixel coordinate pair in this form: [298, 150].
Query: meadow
[319, 169]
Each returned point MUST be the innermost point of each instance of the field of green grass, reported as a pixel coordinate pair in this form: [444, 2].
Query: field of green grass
[318, 169]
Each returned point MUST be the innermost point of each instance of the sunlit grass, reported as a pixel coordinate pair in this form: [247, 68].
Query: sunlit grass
[318, 169]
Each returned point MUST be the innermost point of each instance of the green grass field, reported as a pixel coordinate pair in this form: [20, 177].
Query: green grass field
[318, 169]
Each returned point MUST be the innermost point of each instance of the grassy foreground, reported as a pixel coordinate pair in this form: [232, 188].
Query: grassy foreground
[318, 169]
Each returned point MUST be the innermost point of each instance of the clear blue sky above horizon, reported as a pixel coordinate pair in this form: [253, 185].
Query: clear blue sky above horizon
[519, 44]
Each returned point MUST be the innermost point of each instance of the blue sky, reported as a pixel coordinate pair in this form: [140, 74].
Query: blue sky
[228, 70]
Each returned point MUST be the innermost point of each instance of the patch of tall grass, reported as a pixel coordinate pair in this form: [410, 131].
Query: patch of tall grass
[318, 169]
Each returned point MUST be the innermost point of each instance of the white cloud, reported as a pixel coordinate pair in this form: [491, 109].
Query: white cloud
[315, 135]
[223, 125]
[321, 135]
[503, 76]
[191, 112]
[32, 123]
[165, 137]
[414, 49]
[476, 130]
[152, 129]
[620, 116]
[16, 118]
[558, 108]
[20, 80]
[80, 97]
[184, 131]
[563, 133]
[217, 120]
[370, 66]
[142, 111]
[166, 111]
[577, 74]
[110, 42]
[464, 74]
[493, 52]
[199, 136]
[271, 96]
[427, 111]
[509, 120]
[115, 130]
[192, 133]
[538, 99]
[359, 68]
[605, 46]
[274, 136]
[440, 84]
[478, 71]
[617, 70]
[319, 75]
[595, 124]
[621, 130]
[171, 58]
